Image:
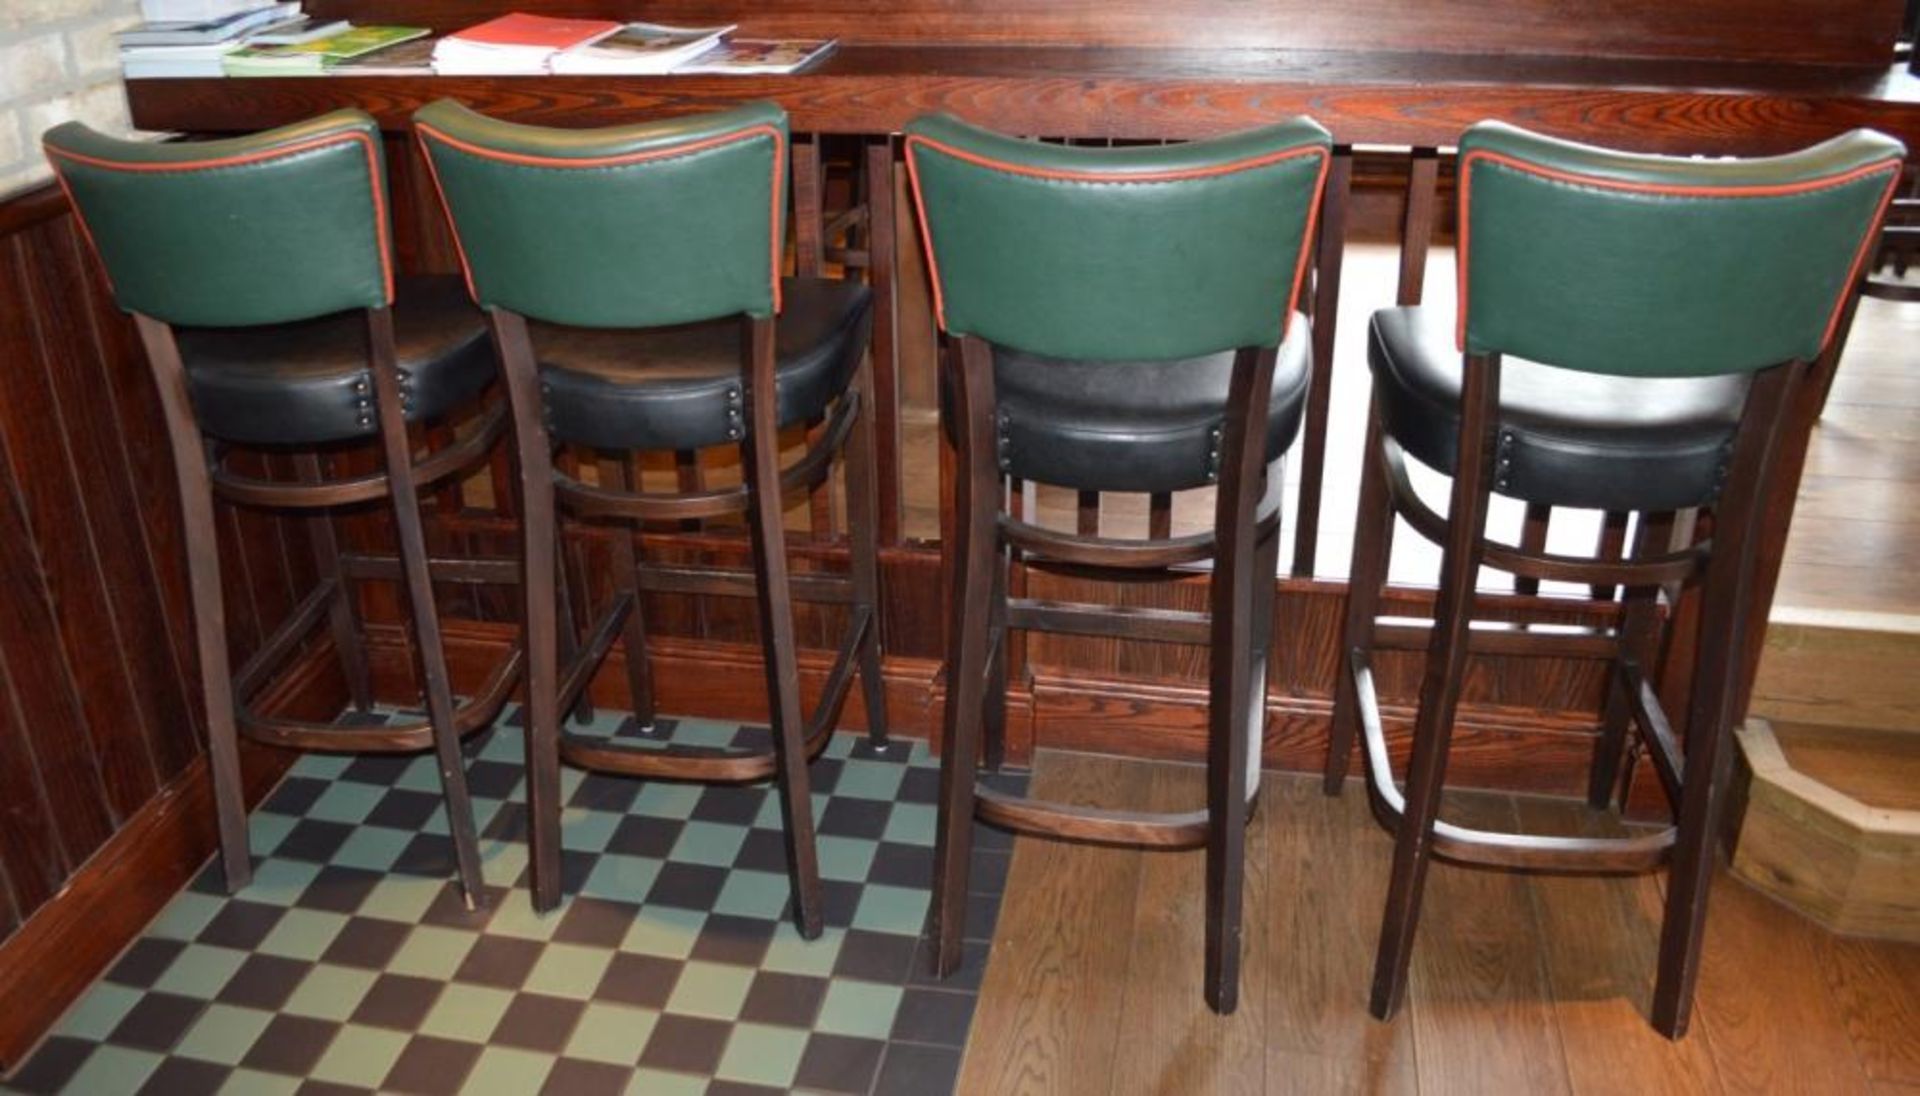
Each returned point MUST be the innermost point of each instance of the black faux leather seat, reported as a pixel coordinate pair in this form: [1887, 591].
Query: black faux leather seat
[307, 383]
[1567, 438]
[679, 387]
[1131, 426]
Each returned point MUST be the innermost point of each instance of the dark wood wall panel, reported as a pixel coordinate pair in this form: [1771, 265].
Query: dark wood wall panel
[99, 695]
[1795, 30]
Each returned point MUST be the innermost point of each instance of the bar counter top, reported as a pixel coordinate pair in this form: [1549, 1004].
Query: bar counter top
[1363, 97]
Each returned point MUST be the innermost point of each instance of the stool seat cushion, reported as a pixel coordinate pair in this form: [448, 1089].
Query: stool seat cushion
[1567, 438]
[1131, 426]
[309, 383]
[680, 387]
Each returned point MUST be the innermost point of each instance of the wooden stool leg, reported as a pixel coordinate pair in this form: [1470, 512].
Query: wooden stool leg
[541, 717]
[863, 528]
[976, 513]
[1367, 577]
[1715, 703]
[760, 456]
[1266, 572]
[993, 711]
[570, 617]
[1440, 687]
[341, 614]
[1231, 605]
[1639, 646]
[626, 579]
[209, 609]
[429, 651]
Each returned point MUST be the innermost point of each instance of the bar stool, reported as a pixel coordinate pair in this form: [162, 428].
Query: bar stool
[1117, 320]
[259, 272]
[631, 276]
[1632, 333]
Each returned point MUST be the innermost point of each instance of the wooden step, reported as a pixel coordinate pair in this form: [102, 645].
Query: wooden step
[1843, 669]
[1832, 824]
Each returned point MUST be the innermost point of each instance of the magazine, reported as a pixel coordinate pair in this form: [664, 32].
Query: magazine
[514, 44]
[413, 58]
[311, 58]
[639, 48]
[760, 55]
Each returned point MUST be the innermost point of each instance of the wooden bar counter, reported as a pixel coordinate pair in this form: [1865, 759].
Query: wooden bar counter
[1655, 105]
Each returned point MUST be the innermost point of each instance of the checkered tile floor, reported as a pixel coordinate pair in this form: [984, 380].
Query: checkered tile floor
[350, 964]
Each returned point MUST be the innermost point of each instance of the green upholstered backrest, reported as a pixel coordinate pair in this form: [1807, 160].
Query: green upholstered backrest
[274, 227]
[1609, 262]
[1154, 252]
[630, 226]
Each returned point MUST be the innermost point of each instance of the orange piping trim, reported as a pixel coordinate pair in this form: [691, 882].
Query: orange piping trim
[1758, 190]
[933, 264]
[446, 211]
[422, 131]
[382, 231]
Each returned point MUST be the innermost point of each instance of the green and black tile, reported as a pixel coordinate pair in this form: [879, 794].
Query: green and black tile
[350, 964]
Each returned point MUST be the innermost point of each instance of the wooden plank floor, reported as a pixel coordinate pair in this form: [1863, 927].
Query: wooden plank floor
[1521, 983]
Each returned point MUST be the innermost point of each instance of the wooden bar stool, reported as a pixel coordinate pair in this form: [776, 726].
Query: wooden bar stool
[1117, 320]
[632, 279]
[1631, 335]
[259, 272]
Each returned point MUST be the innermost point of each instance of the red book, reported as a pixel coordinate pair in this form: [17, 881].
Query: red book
[537, 31]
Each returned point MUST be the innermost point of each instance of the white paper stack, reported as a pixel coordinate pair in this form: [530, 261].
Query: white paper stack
[638, 48]
[192, 11]
[231, 27]
[195, 47]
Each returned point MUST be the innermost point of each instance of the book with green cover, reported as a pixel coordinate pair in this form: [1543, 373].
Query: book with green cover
[315, 57]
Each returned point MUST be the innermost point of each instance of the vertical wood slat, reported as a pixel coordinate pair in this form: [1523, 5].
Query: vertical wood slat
[1416, 235]
[124, 381]
[114, 557]
[1533, 538]
[1612, 545]
[36, 844]
[99, 704]
[809, 256]
[809, 249]
[882, 240]
[1160, 515]
[38, 711]
[86, 692]
[1324, 304]
[1087, 513]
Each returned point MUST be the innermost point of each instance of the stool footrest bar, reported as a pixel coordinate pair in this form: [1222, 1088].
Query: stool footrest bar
[1158, 625]
[1489, 847]
[806, 473]
[273, 494]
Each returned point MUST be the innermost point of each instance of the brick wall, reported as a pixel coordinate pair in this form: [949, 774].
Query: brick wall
[57, 61]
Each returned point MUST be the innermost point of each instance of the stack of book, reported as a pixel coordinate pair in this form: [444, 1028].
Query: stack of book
[194, 46]
[521, 44]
